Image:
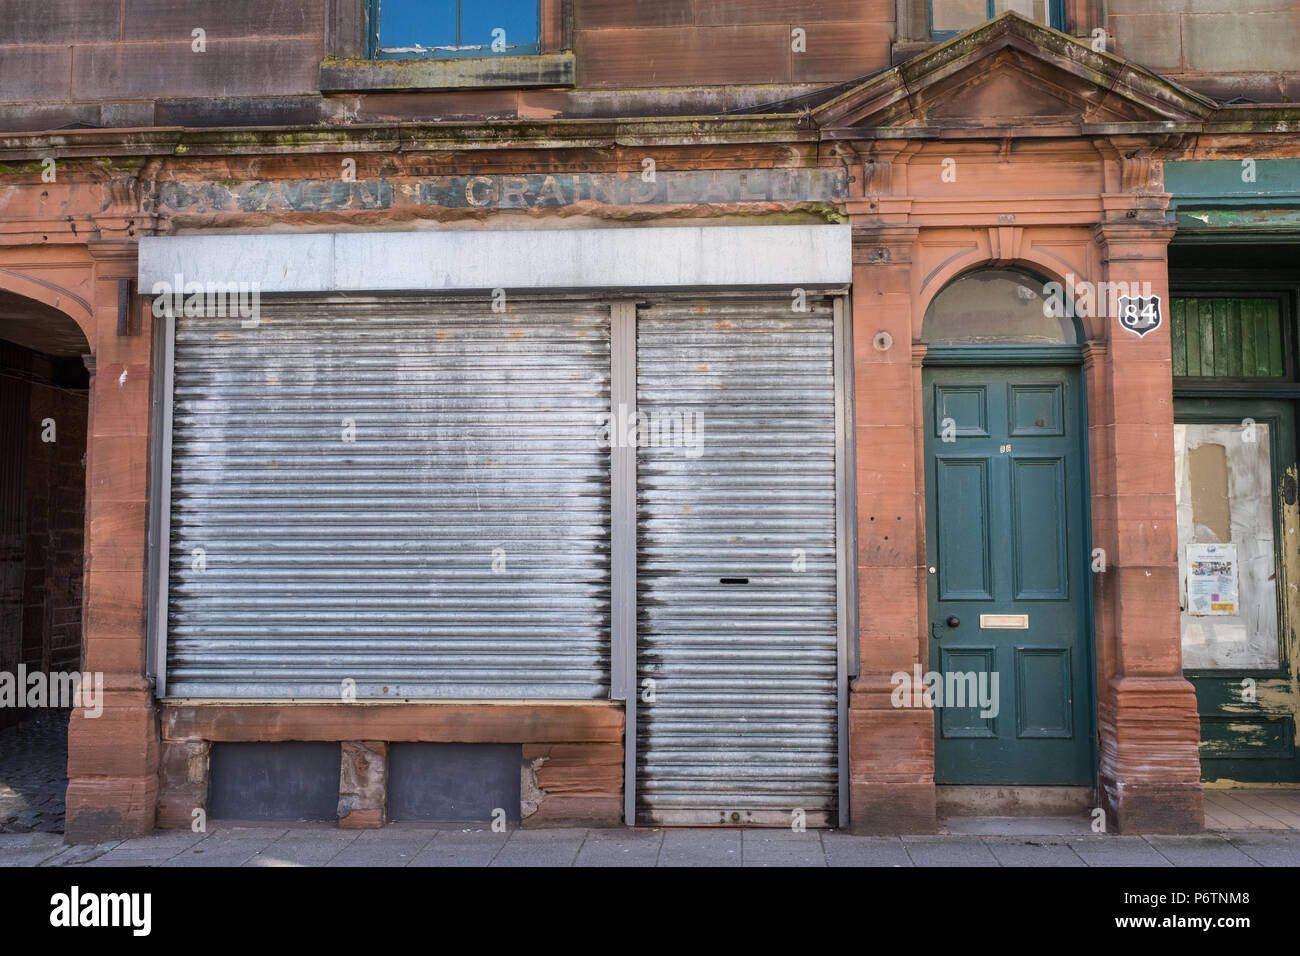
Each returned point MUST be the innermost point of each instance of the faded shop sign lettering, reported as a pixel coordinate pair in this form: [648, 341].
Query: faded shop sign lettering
[529, 191]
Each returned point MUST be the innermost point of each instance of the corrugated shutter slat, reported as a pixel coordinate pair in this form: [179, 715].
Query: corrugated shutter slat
[373, 560]
[744, 712]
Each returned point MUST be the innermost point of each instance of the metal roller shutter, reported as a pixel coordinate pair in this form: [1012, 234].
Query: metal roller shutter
[456, 547]
[741, 646]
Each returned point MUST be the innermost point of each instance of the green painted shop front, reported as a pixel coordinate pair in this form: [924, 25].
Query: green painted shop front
[1234, 279]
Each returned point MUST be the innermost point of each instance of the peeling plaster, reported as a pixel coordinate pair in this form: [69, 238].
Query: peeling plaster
[531, 794]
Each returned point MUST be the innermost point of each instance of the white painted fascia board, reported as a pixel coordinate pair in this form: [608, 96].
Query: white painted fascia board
[683, 257]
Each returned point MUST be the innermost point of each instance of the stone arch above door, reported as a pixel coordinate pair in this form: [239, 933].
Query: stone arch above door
[999, 305]
[49, 293]
[1054, 255]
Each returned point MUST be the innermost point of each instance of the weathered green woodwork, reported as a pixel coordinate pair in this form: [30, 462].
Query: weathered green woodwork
[1223, 183]
[1006, 535]
[1218, 337]
[1244, 740]
[1252, 197]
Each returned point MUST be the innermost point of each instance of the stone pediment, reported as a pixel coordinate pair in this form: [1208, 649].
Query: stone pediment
[1012, 77]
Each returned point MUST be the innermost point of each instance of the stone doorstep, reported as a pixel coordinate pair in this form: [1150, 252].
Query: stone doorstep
[980, 801]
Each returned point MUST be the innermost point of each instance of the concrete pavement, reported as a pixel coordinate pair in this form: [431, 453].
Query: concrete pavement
[975, 841]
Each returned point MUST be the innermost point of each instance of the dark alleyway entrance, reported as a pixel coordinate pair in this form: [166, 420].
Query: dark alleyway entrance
[34, 773]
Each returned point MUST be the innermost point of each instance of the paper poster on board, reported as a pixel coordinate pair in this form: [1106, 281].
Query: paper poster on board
[1211, 579]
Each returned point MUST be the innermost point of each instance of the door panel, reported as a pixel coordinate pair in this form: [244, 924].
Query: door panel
[1008, 551]
[1040, 537]
[962, 502]
[1043, 692]
[955, 721]
[1235, 464]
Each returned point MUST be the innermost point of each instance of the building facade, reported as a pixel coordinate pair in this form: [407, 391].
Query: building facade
[833, 413]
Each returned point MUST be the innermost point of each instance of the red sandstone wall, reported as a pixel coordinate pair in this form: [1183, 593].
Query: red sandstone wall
[129, 63]
[70, 50]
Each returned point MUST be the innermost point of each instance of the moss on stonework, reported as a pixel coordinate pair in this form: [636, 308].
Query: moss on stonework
[22, 169]
[831, 214]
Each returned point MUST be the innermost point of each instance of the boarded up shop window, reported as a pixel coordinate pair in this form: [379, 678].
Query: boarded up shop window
[1226, 558]
[1220, 337]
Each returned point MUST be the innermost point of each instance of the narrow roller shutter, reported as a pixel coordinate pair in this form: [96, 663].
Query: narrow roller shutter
[736, 566]
[408, 494]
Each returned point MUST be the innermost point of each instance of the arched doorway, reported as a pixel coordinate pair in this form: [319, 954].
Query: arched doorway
[1007, 537]
[44, 390]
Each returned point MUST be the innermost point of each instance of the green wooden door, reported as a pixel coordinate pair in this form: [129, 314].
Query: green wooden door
[1235, 464]
[1008, 558]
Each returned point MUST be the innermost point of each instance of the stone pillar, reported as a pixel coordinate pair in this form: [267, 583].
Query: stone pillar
[363, 785]
[182, 782]
[113, 758]
[1148, 727]
[891, 750]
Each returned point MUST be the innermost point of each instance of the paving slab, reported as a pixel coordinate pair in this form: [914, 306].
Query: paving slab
[782, 848]
[939, 850]
[304, 848]
[1104, 850]
[1271, 849]
[226, 848]
[28, 856]
[541, 848]
[700, 848]
[621, 848]
[1028, 851]
[472, 837]
[1248, 809]
[176, 840]
[1199, 851]
[548, 835]
[231, 856]
[454, 848]
[80, 854]
[845, 849]
[132, 861]
[383, 850]
[395, 834]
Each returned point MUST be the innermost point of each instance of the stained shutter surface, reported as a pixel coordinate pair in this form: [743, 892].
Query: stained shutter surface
[401, 497]
[736, 566]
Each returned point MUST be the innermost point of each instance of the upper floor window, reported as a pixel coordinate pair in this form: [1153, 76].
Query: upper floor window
[402, 29]
[950, 17]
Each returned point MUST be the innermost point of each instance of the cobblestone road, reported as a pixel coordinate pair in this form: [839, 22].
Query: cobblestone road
[34, 773]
